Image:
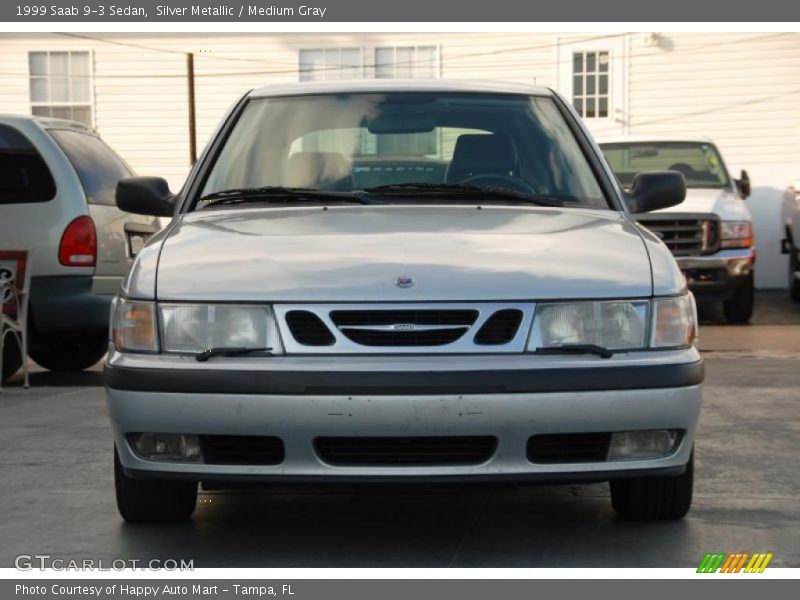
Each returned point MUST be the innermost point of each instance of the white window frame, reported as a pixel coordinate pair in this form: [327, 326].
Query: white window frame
[437, 67]
[616, 122]
[325, 72]
[90, 103]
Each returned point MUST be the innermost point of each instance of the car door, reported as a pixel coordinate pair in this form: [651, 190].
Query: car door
[120, 235]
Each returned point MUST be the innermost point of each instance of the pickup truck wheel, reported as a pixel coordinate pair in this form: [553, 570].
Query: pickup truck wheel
[739, 309]
[794, 269]
[69, 352]
[12, 357]
[654, 498]
[153, 500]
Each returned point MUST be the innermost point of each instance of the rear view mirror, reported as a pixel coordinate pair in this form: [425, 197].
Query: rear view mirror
[653, 190]
[145, 196]
[743, 184]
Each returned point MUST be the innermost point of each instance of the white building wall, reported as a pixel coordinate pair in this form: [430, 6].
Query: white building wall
[740, 89]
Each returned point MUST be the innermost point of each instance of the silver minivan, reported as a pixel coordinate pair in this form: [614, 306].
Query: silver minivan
[57, 183]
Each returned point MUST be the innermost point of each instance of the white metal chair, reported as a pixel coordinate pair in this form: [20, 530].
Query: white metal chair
[14, 305]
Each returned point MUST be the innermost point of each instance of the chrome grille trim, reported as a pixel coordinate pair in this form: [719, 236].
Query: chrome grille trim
[685, 234]
[464, 345]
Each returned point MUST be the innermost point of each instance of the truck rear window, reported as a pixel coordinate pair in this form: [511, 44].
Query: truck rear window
[24, 176]
[97, 166]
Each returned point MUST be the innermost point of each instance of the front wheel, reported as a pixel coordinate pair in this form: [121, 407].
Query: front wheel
[153, 500]
[654, 498]
[739, 309]
[69, 352]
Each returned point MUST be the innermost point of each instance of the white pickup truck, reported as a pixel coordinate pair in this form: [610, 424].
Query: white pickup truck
[790, 218]
[711, 232]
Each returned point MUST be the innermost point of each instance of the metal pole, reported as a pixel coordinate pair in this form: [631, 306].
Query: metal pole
[192, 116]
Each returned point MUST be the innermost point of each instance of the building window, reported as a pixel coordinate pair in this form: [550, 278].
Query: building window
[399, 62]
[590, 74]
[61, 85]
[330, 64]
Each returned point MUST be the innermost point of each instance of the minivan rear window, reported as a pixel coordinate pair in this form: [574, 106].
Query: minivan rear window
[24, 176]
[98, 167]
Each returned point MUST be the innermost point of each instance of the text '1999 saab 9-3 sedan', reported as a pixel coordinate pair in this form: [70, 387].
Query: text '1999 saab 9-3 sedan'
[403, 281]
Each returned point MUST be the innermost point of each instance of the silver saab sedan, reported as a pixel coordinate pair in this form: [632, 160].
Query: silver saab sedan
[403, 281]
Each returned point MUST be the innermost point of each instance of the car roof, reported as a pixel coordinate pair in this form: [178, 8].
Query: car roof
[397, 85]
[45, 122]
[633, 139]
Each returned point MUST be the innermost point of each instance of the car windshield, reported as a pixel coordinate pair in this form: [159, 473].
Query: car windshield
[699, 162]
[363, 141]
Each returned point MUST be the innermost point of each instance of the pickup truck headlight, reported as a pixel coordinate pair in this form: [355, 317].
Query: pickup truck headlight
[133, 325]
[614, 325]
[192, 328]
[736, 234]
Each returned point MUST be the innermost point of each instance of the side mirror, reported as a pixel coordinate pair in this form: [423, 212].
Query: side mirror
[145, 196]
[743, 184]
[653, 190]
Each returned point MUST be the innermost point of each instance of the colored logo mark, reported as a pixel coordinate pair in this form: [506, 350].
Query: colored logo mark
[740, 562]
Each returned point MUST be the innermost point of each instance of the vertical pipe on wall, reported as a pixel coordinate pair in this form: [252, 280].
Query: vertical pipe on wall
[192, 116]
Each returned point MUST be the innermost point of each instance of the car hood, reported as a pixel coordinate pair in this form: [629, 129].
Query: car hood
[722, 202]
[348, 253]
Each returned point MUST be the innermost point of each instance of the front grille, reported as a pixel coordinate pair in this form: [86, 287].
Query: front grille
[242, 450]
[426, 327]
[500, 328]
[685, 235]
[308, 329]
[405, 451]
[568, 447]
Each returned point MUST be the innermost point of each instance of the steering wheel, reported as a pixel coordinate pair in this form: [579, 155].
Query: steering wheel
[508, 182]
[687, 170]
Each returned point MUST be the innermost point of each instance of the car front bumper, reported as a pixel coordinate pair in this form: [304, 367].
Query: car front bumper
[718, 276]
[508, 397]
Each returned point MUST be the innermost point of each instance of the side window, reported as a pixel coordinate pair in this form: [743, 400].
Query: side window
[97, 166]
[24, 176]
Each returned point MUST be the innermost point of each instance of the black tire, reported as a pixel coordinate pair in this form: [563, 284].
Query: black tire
[794, 267]
[654, 498]
[739, 309]
[12, 358]
[153, 500]
[69, 352]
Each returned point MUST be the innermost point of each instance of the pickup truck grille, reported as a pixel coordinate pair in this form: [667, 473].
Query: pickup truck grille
[685, 235]
[398, 328]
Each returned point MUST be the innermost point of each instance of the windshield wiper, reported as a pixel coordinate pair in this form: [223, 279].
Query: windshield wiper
[278, 194]
[577, 349]
[486, 192]
[230, 351]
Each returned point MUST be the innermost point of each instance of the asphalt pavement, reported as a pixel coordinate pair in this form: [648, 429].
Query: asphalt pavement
[58, 494]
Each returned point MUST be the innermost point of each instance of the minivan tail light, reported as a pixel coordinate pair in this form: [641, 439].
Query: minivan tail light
[79, 244]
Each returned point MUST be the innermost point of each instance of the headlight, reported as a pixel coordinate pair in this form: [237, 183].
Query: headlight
[133, 326]
[192, 328]
[615, 325]
[736, 234]
[674, 322]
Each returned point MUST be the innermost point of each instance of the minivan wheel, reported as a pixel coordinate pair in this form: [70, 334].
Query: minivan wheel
[739, 309]
[12, 358]
[153, 500]
[654, 498]
[69, 352]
